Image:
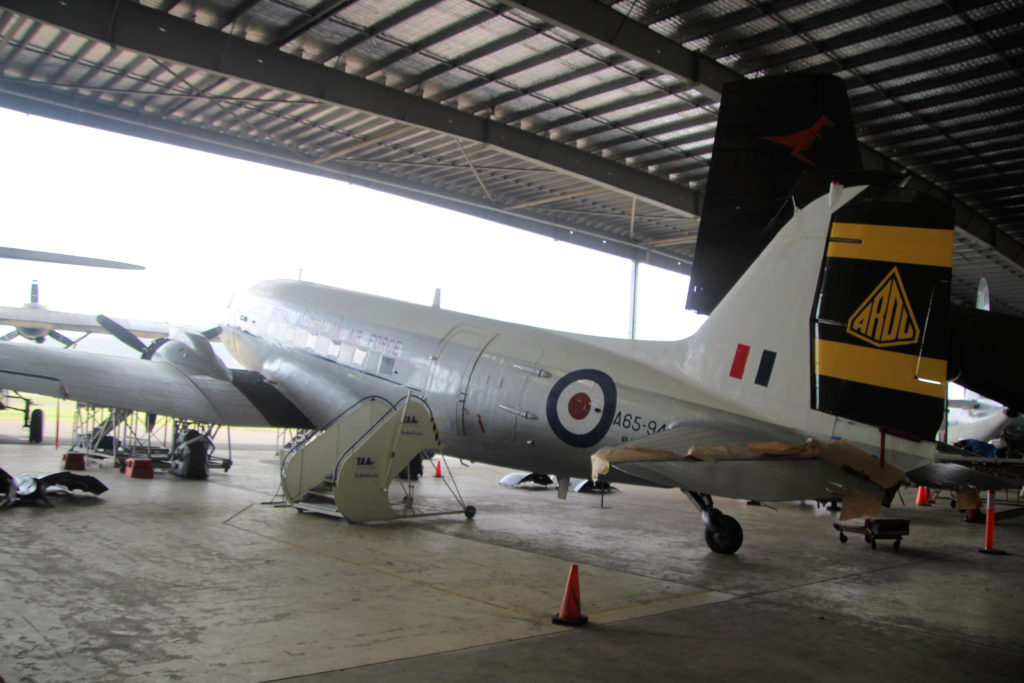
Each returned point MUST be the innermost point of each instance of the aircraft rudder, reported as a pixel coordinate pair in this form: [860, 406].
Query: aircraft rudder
[879, 321]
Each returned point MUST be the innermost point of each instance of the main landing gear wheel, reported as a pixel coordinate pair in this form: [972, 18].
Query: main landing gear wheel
[722, 533]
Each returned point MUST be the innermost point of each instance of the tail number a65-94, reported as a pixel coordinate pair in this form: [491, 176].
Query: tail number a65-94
[636, 423]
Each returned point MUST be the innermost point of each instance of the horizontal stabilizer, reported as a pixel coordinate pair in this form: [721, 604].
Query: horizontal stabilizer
[746, 458]
[766, 479]
[944, 475]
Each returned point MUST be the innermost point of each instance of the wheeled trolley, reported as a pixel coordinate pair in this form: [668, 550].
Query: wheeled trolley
[875, 530]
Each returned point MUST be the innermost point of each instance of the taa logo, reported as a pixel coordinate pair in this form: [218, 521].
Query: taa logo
[363, 461]
[885, 318]
[410, 420]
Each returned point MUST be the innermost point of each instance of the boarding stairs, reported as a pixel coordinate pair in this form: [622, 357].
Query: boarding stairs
[346, 468]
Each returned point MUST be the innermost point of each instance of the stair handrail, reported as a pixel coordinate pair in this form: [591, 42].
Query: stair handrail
[313, 434]
[393, 408]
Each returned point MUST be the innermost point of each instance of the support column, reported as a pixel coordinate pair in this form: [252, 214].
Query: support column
[633, 286]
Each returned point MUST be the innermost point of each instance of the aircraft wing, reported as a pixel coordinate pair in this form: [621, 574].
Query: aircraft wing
[50, 257]
[151, 386]
[75, 322]
[736, 457]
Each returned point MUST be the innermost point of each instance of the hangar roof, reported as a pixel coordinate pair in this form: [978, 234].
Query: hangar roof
[591, 121]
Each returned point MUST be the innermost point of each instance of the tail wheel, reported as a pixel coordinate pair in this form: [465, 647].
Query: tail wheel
[724, 534]
[35, 426]
[190, 459]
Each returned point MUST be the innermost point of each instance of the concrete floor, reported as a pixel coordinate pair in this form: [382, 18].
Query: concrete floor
[167, 579]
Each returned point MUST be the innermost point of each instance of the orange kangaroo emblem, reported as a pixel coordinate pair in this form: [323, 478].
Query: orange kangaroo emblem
[801, 141]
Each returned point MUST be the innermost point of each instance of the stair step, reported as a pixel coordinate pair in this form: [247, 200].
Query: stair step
[319, 508]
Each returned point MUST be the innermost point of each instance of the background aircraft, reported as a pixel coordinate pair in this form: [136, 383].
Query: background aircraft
[33, 323]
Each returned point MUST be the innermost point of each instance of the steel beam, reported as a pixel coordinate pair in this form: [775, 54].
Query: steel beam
[138, 28]
[601, 24]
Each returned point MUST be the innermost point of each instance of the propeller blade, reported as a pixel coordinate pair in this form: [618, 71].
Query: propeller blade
[212, 333]
[10, 335]
[121, 333]
[54, 334]
[34, 295]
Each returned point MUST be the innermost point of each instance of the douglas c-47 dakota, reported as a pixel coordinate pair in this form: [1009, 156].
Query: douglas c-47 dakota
[776, 397]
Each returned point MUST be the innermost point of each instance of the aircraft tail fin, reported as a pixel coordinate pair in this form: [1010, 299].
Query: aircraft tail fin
[843, 313]
[827, 287]
[770, 132]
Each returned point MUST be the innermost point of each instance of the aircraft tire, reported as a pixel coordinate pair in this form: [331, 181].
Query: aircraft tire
[193, 463]
[725, 535]
[35, 426]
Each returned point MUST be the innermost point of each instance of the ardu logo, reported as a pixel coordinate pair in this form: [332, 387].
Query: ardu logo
[885, 318]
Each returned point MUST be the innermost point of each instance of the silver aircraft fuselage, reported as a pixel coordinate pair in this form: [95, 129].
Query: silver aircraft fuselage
[501, 393]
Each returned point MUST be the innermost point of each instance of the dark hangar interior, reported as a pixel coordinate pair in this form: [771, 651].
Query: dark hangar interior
[585, 120]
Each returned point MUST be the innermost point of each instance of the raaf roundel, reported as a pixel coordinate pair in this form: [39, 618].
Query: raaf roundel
[581, 407]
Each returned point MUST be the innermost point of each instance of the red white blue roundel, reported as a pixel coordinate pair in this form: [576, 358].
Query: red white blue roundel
[581, 407]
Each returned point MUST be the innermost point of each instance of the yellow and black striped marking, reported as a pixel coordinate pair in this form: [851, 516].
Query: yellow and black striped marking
[437, 436]
[879, 328]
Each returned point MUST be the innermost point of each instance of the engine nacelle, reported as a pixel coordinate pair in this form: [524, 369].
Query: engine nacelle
[192, 353]
[36, 334]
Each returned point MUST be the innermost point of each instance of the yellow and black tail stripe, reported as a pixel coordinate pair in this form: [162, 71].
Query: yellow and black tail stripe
[885, 369]
[891, 244]
[880, 319]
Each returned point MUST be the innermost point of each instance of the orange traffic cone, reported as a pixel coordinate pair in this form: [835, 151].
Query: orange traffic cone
[570, 615]
[990, 526]
[437, 472]
[923, 497]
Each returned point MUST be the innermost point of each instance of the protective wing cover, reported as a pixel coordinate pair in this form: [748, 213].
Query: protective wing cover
[150, 386]
[769, 463]
[23, 487]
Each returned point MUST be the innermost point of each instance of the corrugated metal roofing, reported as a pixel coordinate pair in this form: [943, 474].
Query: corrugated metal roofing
[587, 120]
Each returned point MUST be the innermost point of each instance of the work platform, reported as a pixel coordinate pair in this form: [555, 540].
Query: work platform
[168, 578]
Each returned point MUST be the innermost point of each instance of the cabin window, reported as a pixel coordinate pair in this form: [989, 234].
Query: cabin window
[333, 350]
[345, 356]
[358, 357]
[311, 342]
[271, 329]
[290, 333]
[387, 366]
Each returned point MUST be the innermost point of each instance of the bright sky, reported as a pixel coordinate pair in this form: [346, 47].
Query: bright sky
[206, 226]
